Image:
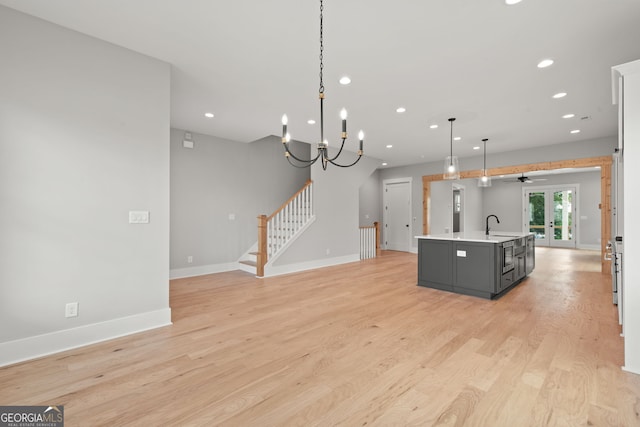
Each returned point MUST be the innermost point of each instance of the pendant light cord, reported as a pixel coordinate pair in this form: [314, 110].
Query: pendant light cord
[451, 142]
[484, 161]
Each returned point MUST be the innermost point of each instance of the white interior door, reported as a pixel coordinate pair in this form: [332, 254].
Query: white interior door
[550, 215]
[397, 215]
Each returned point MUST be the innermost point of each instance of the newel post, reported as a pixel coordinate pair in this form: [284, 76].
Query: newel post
[262, 245]
[377, 225]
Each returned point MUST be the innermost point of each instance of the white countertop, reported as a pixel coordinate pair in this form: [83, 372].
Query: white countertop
[476, 236]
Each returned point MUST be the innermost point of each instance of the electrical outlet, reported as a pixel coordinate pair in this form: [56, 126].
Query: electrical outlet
[189, 259]
[71, 309]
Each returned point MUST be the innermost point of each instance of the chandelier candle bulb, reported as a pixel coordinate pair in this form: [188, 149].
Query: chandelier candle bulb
[361, 138]
[343, 116]
[285, 120]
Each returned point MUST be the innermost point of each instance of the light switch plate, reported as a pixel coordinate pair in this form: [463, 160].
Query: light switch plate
[71, 309]
[138, 217]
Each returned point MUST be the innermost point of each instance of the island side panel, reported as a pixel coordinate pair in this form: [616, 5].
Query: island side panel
[435, 264]
[475, 271]
[530, 254]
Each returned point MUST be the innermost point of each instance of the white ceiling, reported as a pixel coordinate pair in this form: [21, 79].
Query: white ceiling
[249, 62]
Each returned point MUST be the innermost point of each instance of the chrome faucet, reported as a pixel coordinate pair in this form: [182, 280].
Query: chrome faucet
[487, 229]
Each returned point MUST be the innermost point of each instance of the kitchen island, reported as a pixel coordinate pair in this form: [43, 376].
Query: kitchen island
[474, 263]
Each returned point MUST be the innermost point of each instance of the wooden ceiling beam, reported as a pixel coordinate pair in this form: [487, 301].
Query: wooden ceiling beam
[509, 170]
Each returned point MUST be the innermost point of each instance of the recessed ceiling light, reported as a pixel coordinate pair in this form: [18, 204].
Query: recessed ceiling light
[545, 63]
[344, 80]
[208, 115]
[400, 110]
[311, 122]
[568, 116]
[560, 95]
[575, 131]
[384, 163]
[457, 138]
[433, 127]
[389, 146]
[511, 2]
[476, 148]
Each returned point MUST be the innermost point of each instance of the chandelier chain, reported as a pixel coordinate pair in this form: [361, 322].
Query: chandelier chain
[321, 90]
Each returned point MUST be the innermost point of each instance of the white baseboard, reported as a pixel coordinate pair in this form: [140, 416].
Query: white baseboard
[589, 247]
[246, 268]
[631, 370]
[201, 270]
[43, 345]
[277, 270]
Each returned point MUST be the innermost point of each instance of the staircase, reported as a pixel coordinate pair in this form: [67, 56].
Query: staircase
[249, 260]
[277, 231]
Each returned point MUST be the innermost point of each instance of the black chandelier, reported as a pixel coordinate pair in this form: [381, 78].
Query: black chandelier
[323, 145]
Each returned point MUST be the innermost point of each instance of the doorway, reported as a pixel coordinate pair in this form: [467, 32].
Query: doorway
[550, 214]
[397, 214]
[458, 209]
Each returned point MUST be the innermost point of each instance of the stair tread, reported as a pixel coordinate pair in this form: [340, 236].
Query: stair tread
[248, 262]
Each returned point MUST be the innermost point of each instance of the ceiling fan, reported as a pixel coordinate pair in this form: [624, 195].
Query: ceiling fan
[524, 179]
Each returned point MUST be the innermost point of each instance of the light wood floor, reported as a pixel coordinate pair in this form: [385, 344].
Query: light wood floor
[354, 345]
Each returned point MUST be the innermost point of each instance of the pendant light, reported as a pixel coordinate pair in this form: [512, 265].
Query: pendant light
[451, 169]
[485, 179]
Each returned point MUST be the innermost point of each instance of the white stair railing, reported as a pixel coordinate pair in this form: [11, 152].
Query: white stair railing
[287, 221]
[277, 231]
[369, 241]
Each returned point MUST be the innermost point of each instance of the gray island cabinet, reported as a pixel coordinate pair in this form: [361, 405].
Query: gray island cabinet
[473, 263]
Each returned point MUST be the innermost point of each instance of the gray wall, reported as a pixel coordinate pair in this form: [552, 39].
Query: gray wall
[334, 236]
[566, 151]
[442, 206]
[83, 140]
[505, 200]
[218, 180]
[370, 196]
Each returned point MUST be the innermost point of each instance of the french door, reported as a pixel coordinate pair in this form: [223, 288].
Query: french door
[550, 215]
